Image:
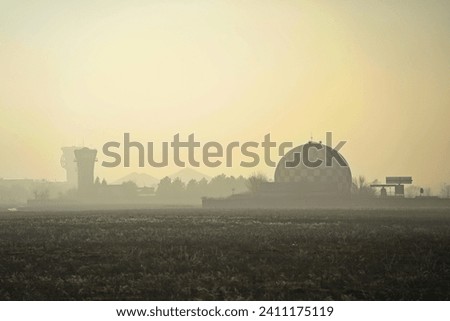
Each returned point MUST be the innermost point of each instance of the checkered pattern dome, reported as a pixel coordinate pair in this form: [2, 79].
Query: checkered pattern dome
[336, 178]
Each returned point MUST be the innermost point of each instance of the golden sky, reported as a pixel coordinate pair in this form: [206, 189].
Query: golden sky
[375, 73]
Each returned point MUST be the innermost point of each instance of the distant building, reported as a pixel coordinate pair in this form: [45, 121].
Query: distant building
[312, 175]
[309, 170]
[85, 159]
[69, 164]
[396, 182]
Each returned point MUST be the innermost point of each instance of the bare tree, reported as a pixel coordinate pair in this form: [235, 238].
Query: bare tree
[255, 181]
[361, 187]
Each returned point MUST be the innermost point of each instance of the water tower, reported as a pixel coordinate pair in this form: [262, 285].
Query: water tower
[69, 164]
[85, 159]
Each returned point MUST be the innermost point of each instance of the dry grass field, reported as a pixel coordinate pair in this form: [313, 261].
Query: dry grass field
[199, 254]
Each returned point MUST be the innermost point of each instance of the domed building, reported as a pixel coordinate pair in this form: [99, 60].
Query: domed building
[309, 170]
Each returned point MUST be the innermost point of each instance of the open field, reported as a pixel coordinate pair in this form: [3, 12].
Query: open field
[190, 254]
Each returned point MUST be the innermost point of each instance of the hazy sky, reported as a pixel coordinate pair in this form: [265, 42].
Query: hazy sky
[375, 73]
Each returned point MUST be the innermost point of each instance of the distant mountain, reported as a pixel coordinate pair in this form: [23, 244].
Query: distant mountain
[186, 174]
[140, 179]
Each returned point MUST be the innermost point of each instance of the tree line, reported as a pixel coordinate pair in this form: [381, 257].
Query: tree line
[218, 186]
